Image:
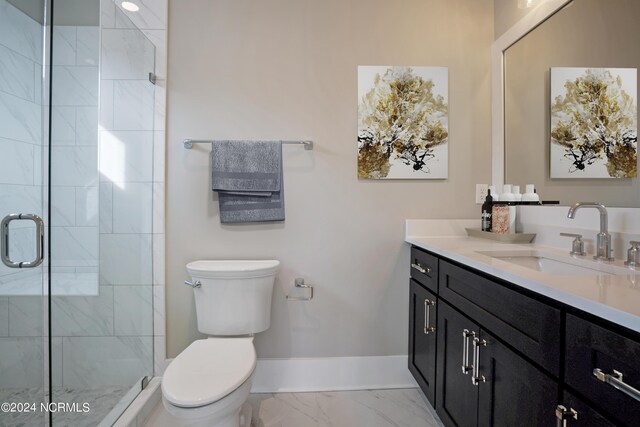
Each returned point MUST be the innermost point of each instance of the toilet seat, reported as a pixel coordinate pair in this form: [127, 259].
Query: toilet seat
[208, 370]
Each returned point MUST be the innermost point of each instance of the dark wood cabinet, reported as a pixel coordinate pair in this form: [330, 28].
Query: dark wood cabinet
[424, 269]
[530, 326]
[456, 396]
[481, 382]
[512, 391]
[589, 347]
[583, 414]
[422, 338]
[501, 356]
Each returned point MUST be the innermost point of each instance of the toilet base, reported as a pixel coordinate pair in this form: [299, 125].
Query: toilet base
[245, 415]
[231, 411]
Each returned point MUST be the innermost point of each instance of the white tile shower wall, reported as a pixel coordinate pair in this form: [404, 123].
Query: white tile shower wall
[152, 20]
[131, 152]
[21, 332]
[105, 336]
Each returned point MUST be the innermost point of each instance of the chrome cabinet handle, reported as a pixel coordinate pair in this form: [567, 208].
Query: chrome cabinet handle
[4, 244]
[420, 268]
[466, 334]
[195, 284]
[427, 314]
[563, 415]
[615, 380]
[476, 378]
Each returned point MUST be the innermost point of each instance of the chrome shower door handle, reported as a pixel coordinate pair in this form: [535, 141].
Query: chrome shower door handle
[4, 240]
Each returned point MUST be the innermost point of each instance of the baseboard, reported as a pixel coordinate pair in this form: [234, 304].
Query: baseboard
[331, 373]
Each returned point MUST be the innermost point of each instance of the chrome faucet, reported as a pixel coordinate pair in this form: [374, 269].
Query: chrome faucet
[603, 239]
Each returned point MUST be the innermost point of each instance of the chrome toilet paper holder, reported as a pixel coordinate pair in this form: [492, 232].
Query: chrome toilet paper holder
[299, 283]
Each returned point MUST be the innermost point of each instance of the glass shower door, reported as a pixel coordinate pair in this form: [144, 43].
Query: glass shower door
[76, 149]
[23, 146]
[101, 315]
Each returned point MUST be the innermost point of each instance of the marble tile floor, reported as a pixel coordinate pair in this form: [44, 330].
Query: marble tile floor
[101, 401]
[367, 408]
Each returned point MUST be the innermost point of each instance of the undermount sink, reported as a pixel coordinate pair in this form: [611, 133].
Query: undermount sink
[554, 264]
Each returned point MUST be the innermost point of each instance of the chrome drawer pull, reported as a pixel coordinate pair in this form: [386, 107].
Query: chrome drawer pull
[195, 284]
[465, 350]
[615, 380]
[476, 378]
[427, 314]
[420, 268]
[563, 415]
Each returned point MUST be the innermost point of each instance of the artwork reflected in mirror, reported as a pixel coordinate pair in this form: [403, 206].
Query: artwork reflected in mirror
[403, 126]
[592, 154]
[594, 130]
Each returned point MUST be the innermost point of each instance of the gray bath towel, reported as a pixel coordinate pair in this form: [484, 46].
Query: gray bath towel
[246, 167]
[247, 175]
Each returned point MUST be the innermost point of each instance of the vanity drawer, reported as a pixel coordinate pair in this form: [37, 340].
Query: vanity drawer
[590, 346]
[530, 326]
[424, 269]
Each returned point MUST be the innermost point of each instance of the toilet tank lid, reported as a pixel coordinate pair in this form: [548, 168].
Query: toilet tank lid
[208, 370]
[233, 268]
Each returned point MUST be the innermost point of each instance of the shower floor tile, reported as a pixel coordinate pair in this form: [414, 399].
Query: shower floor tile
[100, 401]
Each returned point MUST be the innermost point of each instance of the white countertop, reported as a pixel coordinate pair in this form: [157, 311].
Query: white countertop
[614, 297]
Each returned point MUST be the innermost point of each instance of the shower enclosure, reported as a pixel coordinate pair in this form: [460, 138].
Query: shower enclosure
[76, 165]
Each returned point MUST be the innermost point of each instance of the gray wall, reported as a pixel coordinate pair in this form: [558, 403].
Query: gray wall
[587, 33]
[287, 69]
[505, 14]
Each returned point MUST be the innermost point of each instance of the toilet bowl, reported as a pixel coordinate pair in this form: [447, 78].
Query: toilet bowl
[208, 383]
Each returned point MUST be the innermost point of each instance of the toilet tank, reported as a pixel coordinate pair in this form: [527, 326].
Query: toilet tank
[234, 297]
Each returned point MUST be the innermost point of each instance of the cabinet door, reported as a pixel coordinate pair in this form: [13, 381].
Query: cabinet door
[422, 338]
[586, 416]
[514, 392]
[590, 346]
[456, 396]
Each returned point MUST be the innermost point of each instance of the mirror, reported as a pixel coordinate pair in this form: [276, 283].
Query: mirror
[583, 33]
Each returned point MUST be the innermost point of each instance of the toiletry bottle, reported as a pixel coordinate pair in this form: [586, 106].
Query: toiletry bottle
[486, 212]
[500, 218]
[516, 193]
[506, 195]
[494, 193]
[530, 194]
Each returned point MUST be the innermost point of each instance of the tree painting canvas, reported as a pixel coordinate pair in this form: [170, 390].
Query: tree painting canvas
[403, 126]
[594, 131]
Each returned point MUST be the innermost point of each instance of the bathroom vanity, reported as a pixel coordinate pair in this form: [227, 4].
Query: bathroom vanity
[508, 335]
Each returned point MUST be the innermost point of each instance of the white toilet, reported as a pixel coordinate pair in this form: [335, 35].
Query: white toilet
[208, 383]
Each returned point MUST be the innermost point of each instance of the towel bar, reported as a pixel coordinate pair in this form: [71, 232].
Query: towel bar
[188, 143]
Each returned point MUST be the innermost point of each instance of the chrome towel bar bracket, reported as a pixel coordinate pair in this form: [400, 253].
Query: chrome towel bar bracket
[188, 143]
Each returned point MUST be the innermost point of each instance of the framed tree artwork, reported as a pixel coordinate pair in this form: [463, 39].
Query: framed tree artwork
[594, 123]
[403, 122]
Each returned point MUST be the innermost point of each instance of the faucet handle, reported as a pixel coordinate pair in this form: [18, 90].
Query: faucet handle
[577, 246]
[633, 254]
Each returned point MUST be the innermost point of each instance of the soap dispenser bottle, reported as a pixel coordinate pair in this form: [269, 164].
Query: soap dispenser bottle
[530, 194]
[487, 207]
